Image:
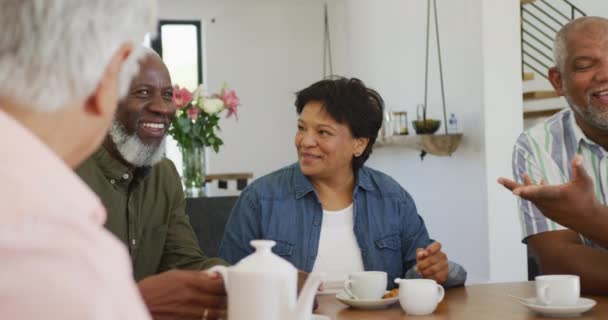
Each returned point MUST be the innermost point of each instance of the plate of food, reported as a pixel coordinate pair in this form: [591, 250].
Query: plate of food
[389, 298]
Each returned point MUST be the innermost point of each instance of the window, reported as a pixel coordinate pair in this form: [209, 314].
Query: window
[179, 44]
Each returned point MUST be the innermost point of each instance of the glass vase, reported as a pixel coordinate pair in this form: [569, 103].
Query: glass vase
[193, 171]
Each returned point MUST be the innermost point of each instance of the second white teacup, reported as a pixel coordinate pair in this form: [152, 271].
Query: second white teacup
[558, 290]
[419, 296]
[366, 285]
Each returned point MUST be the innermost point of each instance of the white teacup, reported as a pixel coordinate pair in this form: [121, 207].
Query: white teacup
[366, 285]
[558, 290]
[419, 296]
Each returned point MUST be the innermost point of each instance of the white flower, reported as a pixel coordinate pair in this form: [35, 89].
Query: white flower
[213, 105]
[199, 95]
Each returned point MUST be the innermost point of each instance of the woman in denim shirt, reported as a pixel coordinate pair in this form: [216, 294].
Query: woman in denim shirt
[330, 213]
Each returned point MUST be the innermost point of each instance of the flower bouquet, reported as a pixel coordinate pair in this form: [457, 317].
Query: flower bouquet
[194, 128]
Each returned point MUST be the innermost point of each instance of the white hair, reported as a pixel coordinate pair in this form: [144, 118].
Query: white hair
[133, 150]
[146, 52]
[53, 52]
[559, 45]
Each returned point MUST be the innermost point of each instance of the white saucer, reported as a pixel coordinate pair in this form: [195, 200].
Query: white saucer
[365, 304]
[319, 317]
[582, 305]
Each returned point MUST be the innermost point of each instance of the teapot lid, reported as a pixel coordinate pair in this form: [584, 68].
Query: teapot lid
[263, 260]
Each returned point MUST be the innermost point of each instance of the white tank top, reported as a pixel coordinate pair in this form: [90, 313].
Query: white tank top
[338, 253]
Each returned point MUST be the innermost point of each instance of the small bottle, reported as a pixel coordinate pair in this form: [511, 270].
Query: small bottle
[399, 122]
[453, 124]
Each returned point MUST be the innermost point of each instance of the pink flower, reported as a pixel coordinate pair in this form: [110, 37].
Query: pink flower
[231, 101]
[181, 97]
[193, 112]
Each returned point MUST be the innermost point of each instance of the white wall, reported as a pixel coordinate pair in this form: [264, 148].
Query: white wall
[503, 107]
[269, 49]
[592, 8]
[266, 51]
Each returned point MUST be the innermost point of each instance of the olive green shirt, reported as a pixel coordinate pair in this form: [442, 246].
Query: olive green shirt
[146, 211]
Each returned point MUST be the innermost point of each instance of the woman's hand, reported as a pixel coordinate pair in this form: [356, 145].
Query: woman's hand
[432, 263]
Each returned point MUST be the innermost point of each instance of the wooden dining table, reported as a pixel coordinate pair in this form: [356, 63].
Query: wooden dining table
[484, 301]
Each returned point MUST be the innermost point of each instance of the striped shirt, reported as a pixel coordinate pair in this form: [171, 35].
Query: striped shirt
[546, 152]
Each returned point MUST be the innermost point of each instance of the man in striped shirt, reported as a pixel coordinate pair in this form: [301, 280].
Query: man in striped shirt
[561, 165]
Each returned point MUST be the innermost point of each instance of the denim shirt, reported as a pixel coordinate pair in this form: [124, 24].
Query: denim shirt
[283, 206]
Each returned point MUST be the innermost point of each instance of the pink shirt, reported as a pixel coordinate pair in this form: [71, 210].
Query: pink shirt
[56, 259]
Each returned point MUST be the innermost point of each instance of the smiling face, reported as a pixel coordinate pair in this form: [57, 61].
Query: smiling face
[325, 147]
[583, 79]
[143, 118]
[148, 109]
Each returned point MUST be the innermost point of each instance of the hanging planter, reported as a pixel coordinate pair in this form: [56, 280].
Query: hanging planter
[423, 125]
[426, 140]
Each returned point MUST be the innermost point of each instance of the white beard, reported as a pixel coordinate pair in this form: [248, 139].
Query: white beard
[133, 150]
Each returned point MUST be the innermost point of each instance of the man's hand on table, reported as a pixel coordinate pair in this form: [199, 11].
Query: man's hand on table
[432, 263]
[178, 294]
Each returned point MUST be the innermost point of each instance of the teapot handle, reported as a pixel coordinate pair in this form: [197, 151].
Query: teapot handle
[223, 270]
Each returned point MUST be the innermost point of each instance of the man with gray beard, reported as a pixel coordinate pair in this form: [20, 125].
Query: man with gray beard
[142, 193]
[561, 165]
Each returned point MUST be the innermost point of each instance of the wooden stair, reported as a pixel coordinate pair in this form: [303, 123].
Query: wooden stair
[541, 113]
[535, 95]
[539, 95]
[526, 1]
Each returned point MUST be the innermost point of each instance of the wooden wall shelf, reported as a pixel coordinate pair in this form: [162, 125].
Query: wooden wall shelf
[435, 144]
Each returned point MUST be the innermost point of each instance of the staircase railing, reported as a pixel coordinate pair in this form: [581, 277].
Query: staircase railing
[540, 22]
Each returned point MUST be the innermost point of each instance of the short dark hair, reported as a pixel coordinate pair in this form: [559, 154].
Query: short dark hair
[350, 102]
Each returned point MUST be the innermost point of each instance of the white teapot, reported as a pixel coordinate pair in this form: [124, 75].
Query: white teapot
[263, 286]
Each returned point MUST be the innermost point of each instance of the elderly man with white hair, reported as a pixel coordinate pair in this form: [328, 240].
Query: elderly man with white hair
[63, 67]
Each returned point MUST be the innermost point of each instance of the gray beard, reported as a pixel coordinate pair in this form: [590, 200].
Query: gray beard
[596, 118]
[133, 150]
